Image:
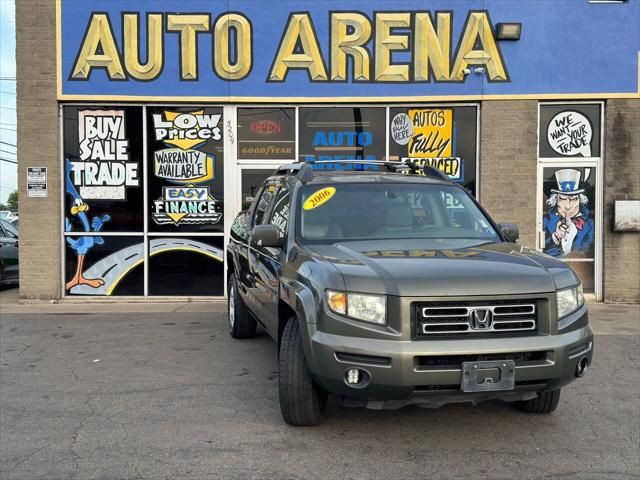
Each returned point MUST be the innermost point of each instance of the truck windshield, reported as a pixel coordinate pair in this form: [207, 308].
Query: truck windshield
[339, 212]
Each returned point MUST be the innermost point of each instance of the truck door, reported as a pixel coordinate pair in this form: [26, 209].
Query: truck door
[268, 265]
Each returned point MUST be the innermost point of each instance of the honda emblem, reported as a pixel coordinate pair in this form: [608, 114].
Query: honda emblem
[480, 318]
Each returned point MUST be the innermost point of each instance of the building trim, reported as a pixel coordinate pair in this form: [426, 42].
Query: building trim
[340, 100]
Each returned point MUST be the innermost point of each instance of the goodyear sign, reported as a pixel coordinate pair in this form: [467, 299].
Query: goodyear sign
[238, 50]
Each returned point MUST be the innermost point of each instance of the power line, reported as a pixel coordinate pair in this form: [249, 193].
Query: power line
[10, 144]
[7, 93]
[8, 78]
[8, 161]
[7, 108]
[7, 151]
[8, 129]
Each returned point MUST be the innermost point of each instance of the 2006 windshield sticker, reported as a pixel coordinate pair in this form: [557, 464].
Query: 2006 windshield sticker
[318, 198]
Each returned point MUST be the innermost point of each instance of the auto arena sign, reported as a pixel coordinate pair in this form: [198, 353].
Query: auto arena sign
[263, 49]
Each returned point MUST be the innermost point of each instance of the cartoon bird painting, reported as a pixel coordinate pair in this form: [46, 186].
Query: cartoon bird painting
[82, 244]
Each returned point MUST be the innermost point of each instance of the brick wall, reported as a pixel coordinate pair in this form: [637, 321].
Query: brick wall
[622, 182]
[40, 261]
[508, 142]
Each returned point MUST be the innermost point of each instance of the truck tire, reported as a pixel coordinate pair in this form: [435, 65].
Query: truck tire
[301, 400]
[241, 323]
[545, 402]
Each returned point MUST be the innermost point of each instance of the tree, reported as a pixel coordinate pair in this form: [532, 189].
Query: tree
[12, 201]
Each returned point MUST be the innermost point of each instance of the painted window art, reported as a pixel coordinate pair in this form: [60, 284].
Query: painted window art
[569, 131]
[112, 191]
[103, 194]
[185, 169]
[569, 218]
[103, 169]
[441, 137]
[570, 159]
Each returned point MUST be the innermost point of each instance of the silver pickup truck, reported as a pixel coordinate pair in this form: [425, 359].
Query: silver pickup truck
[390, 285]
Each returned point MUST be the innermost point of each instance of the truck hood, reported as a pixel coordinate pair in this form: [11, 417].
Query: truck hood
[419, 268]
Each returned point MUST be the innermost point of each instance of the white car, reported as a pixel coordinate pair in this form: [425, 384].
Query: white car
[8, 216]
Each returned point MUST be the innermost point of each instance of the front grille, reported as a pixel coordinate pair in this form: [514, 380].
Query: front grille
[473, 318]
[449, 362]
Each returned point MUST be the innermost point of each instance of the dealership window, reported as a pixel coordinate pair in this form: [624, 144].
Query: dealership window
[143, 226]
[146, 186]
[266, 140]
[103, 170]
[266, 133]
[569, 207]
[443, 137]
[340, 134]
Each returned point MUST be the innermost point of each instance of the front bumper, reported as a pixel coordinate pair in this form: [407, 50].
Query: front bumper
[429, 372]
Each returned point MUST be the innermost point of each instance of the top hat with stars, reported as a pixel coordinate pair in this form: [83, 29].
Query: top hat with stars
[568, 181]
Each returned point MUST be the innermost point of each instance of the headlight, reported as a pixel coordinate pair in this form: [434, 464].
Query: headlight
[569, 300]
[368, 308]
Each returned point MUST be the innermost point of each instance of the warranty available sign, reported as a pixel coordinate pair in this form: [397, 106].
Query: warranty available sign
[185, 133]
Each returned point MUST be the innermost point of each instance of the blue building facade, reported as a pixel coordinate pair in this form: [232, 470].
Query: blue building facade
[172, 113]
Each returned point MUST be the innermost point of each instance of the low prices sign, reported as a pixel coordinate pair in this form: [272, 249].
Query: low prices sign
[185, 133]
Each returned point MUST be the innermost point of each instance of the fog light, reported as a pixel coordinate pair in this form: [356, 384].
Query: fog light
[353, 376]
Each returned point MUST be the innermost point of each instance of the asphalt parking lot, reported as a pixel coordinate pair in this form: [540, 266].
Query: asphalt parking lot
[165, 393]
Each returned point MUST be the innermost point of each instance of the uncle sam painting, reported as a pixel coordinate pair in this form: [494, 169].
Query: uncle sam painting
[568, 223]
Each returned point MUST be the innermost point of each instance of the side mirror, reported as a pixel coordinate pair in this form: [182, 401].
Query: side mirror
[266, 236]
[510, 231]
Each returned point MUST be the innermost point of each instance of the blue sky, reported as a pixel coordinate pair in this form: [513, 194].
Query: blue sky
[8, 171]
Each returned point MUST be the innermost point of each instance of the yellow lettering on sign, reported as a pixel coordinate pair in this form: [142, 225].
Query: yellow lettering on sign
[99, 36]
[188, 26]
[153, 67]
[478, 29]
[431, 48]
[386, 42]
[299, 31]
[345, 44]
[432, 133]
[318, 198]
[244, 55]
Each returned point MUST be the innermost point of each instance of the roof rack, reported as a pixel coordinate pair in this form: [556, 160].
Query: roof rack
[304, 170]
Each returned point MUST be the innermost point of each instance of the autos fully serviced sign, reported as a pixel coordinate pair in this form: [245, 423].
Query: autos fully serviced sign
[260, 50]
